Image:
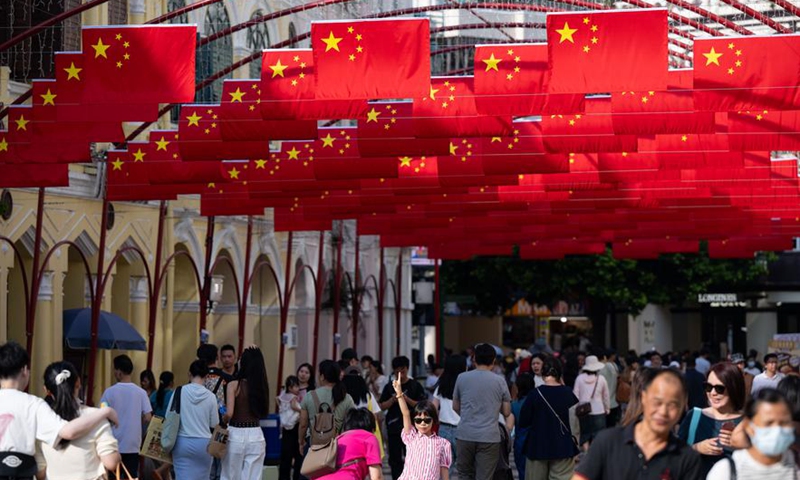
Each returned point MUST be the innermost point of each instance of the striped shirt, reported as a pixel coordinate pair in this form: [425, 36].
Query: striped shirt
[748, 469]
[425, 455]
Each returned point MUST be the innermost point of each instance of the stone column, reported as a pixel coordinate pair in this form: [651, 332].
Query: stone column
[42, 333]
[138, 318]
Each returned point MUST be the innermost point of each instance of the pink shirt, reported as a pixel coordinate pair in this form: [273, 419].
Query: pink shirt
[351, 445]
[425, 455]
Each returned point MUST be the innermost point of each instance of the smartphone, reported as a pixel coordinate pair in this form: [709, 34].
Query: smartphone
[728, 427]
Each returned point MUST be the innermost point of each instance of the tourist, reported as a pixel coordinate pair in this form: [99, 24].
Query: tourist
[479, 397]
[611, 373]
[524, 385]
[646, 449]
[289, 410]
[357, 388]
[708, 431]
[133, 408]
[753, 367]
[654, 360]
[454, 366]
[591, 387]
[161, 397]
[199, 416]
[702, 364]
[738, 360]
[433, 378]
[376, 380]
[768, 425]
[366, 364]
[88, 457]
[358, 451]
[771, 376]
[790, 388]
[227, 356]
[625, 382]
[428, 455]
[695, 384]
[305, 373]
[247, 403]
[147, 381]
[414, 392]
[548, 454]
[350, 356]
[633, 412]
[215, 381]
[29, 419]
[536, 366]
[330, 391]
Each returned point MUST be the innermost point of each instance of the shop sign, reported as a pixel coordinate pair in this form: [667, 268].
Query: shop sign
[720, 300]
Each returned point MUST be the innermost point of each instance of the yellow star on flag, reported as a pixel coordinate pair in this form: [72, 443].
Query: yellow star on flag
[117, 164]
[491, 63]
[162, 144]
[293, 154]
[234, 174]
[194, 119]
[331, 43]
[261, 164]
[237, 95]
[712, 57]
[3, 145]
[566, 33]
[372, 115]
[453, 148]
[277, 69]
[327, 141]
[100, 49]
[405, 161]
[73, 71]
[48, 98]
[22, 124]
[433, 93]
[138, 156]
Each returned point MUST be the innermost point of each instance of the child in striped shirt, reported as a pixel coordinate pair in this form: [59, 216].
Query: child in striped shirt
[428, 455]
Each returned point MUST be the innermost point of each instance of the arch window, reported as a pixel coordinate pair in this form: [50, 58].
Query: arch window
[257, 40]
[216, 55]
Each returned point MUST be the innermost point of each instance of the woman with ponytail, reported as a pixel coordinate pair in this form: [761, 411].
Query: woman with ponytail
[330, 391]
[161, 397]
[88, 457]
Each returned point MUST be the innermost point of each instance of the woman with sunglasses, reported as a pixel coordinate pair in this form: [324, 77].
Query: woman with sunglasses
[709, 430]
[428, 455]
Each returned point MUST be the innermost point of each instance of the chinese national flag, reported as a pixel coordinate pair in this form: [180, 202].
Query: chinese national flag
[416, 175]
[32, 176]
[139, 64]
[231, 197]
[519, 153]
[448, 109]
[591, 132]
[764, 130]
[511, 80]
[199, 127]
[371, 59]
[128, 178]
[747, 73]
[628, 167]
[337, 157]
[387, 129]
[288, 82]
[607, 51]
[690, 150]
[661, 112]
[292, 219]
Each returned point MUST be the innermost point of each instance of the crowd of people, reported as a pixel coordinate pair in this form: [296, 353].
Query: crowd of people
[565, 415]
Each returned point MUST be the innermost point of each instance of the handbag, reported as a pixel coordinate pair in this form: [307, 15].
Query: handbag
[218, 445]
[128, 475]
[377, 431]
[320, 459]
[151, 448]
[172, 423]
[585, 408]
[564, 428]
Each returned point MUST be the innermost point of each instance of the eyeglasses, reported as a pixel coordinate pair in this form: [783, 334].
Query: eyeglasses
[720, 389]
[425, 420]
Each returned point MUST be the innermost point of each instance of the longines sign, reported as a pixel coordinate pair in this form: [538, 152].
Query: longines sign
[720, 300]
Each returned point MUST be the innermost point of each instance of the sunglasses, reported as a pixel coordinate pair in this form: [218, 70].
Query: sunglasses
[720, 389]
[421, 420]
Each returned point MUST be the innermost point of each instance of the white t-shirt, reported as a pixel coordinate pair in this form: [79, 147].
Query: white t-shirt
[748, 469]
[24, 419]
[131, 402]
[370, 404]
[81, 457]
[762, 381]
[446, 412]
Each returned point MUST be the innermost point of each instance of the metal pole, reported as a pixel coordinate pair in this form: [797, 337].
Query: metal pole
[319, 285]
[437, 311]
[398, 304]
[206, 291]
[337, 287]
[247, 279]
[356, 297]
[98, 302]
[154, 301]
[381, 294]
[287, 296]
[37, 275]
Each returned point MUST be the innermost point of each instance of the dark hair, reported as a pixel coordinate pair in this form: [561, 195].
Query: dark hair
[207, 352]
[770, 356]
[148, 374]
[330, 371]
[164, 381]
[525, 384]
[124, 364]
[198, 368]
[291, 381]
[64, 403]
[400, 362]
[485, 354]
[13, 358]
[427, 408]
[454, 366]
[343, 364]
[378, 367]
[653, 354]
[227, 347]
[349, 354]
[359, 419]
[732, 378]
[312, 382]
[253, 371]
[790, 388]
[356, 387]
[367, 358]
[552, 368]
[652, 374]
[641, 380]
[766, 395]
[691, 362]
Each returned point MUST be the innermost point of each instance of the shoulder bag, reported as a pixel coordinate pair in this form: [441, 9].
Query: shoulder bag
[172, 423]
[585, 408]
[564, 427]
[697, 413]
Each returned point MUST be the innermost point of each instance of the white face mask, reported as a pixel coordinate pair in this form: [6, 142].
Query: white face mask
[772, 441]
[751, 364]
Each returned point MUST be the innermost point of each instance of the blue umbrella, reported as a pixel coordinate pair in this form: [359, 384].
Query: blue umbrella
[113, 332]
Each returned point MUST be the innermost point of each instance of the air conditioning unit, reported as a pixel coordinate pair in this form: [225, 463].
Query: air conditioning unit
[290, 337]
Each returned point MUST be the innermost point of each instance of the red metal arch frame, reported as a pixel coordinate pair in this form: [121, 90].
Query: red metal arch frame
[22, 270]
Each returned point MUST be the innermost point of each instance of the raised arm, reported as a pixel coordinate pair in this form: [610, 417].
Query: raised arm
[85, 423]
[401, 400]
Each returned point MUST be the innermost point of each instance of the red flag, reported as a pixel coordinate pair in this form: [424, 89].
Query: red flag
[371, 59]
[747, 73]
[32, 176]
[511, 80]
[607, 51]
[520, 153]
[199, 127]
[591, 132]
[387, 129]
[139, 64]
[128, 177]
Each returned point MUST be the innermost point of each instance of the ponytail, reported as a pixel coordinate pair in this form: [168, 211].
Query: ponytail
[60, 379]
[164, 381]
